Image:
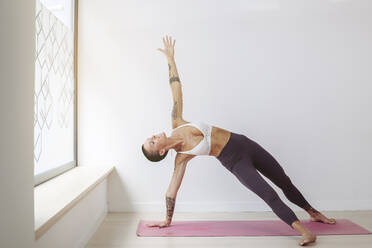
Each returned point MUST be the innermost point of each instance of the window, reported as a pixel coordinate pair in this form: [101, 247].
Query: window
[55, 84]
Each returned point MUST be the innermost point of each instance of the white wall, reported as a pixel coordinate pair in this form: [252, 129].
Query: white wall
[17, 48]
[292, 75]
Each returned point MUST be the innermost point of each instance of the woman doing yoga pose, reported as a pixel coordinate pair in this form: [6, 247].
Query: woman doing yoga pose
[242, 156]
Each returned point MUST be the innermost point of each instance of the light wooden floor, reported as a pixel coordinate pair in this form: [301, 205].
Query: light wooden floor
[119, 230]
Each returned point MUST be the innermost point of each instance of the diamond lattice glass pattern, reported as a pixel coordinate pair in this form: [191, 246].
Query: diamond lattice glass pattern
[54, 91]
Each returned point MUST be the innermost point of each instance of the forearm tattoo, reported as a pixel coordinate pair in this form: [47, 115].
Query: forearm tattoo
[174, 79]
[175, 110]
[170, 206]
[173, 75]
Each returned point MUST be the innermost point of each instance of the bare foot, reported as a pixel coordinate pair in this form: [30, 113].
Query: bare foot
[319, 217]
[307, 235]
[322, 218]
[307, 238]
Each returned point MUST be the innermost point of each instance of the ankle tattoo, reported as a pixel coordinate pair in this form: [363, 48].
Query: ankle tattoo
[313, 210]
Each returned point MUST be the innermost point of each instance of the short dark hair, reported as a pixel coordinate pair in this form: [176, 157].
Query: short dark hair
[154, 157]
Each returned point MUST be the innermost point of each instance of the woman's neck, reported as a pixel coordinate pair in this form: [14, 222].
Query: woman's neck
[175, 142]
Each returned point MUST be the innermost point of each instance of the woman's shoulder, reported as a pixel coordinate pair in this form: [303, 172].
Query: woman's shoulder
[179, 123]
[183, 158]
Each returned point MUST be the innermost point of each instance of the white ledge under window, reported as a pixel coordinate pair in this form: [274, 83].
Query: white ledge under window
[57, 196]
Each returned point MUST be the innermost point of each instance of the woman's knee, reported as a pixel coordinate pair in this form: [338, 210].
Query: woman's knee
[271, 197]
[285, 183]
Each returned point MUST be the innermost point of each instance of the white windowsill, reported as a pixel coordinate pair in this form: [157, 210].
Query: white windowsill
[54, 198]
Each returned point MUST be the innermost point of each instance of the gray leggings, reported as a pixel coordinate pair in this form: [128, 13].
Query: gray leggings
[244, 158]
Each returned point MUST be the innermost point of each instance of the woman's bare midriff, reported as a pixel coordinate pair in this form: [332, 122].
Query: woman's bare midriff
[219, 139]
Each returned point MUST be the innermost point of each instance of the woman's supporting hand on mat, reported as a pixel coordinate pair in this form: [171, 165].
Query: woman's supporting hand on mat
[160, 224]
[168, 47]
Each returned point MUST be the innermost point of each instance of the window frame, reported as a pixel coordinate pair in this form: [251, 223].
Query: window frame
[51, 173]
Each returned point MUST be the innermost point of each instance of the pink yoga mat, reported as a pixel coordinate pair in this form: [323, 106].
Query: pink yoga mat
[246, 228]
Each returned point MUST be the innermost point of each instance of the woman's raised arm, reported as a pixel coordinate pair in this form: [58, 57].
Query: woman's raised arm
[174, 81]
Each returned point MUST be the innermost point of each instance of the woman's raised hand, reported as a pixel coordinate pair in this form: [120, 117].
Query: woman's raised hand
[168, 47]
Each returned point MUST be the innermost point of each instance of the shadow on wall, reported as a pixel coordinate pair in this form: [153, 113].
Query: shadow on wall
[116, 207]
[115, 188]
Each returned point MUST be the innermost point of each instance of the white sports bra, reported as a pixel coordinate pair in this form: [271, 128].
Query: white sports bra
[204, 146]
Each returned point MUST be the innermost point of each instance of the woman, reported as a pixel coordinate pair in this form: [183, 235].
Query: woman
[240, 155]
